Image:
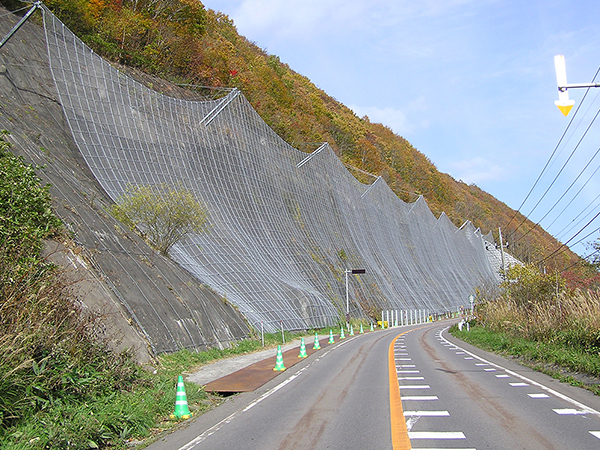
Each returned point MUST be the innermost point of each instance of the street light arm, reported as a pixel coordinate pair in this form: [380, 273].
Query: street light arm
[577, 85]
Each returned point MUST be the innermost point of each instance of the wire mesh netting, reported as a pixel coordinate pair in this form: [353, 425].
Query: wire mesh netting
[284, 225]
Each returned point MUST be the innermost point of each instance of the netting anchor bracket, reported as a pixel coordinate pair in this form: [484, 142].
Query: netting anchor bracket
[35, 6]
[309, 157]
[220, 107]
[371, 186]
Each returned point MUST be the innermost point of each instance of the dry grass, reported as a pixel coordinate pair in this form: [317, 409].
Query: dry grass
[572, 319]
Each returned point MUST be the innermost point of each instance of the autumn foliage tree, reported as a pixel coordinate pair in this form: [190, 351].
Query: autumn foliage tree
[183, 42]
[164, 214]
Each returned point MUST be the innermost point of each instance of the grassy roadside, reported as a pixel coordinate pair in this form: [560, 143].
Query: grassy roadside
[61, 384]
[566, 363]
[132, 415]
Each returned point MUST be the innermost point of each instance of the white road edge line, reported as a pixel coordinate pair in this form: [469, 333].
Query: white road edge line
[216, 427]
[534, 383]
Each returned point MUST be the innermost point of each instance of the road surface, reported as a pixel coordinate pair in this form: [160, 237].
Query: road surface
[396, 389]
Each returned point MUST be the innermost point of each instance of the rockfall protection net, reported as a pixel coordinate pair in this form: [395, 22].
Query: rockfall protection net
[285, 225]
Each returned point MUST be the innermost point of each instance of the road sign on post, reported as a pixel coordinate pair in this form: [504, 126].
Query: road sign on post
[352, 271]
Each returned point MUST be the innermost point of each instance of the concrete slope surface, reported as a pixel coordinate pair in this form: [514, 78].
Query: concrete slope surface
[285, 226]
[158, 306]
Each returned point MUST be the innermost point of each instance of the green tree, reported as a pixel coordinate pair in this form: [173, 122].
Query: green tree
[527, 286]
[26, 215]
[164, 214]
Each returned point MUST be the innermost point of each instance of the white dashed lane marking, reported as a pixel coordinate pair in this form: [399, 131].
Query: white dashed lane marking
[539, 395]
[569, 412]
[426, 413]
[414, 386]
[584, 410]
[436, 435]
[419, 398]
[412, 416]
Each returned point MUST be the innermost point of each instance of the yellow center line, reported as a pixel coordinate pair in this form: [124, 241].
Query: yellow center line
[400, 439]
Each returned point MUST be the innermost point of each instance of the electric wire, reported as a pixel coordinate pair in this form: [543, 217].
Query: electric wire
[549, 160]
[573, 237]
[585, 258]
[556, 178]
[573, 198]
[563, 195]
[570, 226]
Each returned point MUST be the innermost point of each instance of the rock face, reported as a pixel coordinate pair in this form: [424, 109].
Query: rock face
[152, 303]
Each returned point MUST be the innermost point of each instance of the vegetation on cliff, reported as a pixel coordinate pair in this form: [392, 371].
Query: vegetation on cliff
[183, 42]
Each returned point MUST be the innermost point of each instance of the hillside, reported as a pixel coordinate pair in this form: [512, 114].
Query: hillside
[183, 42]
[113, 271]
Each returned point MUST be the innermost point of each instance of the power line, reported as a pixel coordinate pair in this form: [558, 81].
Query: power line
[574, 197]
[548, 162]
[585, 258]
[573, 225]
[557, 175]
[573, 237]
[565, 193]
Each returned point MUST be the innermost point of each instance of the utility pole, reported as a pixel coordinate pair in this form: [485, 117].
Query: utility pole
[502, 252]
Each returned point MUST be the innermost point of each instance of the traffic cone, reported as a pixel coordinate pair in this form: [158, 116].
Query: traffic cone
[316, 345]
[371, 326]
[302, 349]
[331, 341]
[279, 367]
[181, 406]
[361, 329]
[342, 335]
[351, 330]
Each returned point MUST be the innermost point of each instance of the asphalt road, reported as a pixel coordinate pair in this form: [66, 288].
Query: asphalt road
[346, 397]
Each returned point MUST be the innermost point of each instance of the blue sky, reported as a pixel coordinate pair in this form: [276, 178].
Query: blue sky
[470, 83]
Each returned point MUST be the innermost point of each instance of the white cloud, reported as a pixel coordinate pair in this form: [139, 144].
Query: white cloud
[477, 170]
[296, 19]
[401, 121]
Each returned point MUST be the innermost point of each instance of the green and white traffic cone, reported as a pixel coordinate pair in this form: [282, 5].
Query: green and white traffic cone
[361, 329]
[342, 335]
[331, 340]
[181, 406]
[316, 345]
[279, 367]
[302, 349]
[371, 326]
[351, 330]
